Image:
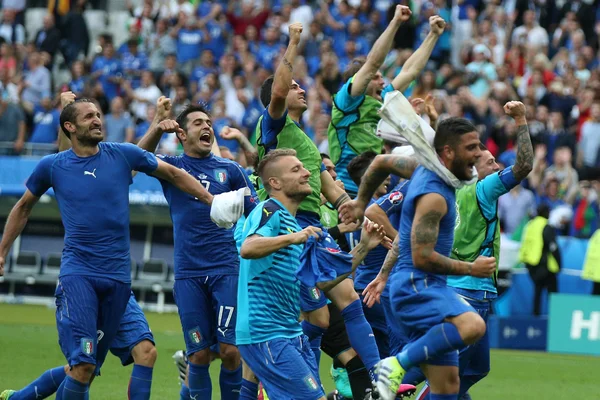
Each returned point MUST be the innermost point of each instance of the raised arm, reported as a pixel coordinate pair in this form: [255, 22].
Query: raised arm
[417, 61]
[376, 214]
[430, 209]
[524, 163]
[380, 50]
[283, 74]
[17, 219]
[160, 124]
[183, 181]
[250, 152]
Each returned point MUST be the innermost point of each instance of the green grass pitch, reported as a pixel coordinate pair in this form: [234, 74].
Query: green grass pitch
[29, 346]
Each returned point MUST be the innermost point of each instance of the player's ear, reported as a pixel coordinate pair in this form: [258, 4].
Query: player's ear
[70, 127]
[274, 183]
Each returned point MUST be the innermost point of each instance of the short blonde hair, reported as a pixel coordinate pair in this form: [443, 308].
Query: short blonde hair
[270, 158]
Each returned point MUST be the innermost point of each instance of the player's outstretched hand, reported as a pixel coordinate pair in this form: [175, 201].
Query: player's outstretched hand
[430, 108]
[372, 234]
[229, 133]
[402, 14]
[351, 211]
[67, 98]
[295, 32]
[483, 267]
[304, 234]
[515, 109]
[437, 24]
[169, 126]
[372, 293]
[1, 266]
[418, 105]
[163, 108]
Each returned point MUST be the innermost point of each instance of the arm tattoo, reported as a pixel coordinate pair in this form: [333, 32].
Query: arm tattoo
[287, 64]
[341, 200]
[404, 167]
[423, 240]
[524, 163]
[391, 257]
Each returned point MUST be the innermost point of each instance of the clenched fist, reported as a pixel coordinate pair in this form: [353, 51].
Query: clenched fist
[437, 24]
[483, 267]
[295, 32]
[168, 126]
[515, 109]
[66, 98]
[402, 14]
[163, 108]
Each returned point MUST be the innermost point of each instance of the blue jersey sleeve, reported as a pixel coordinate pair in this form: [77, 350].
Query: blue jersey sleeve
[40, 179]
[270, 128]
[389, 88]
[344, 101]
[138, 159]
[241, 180]
[491, 188]
[392, 202]
[262, 222]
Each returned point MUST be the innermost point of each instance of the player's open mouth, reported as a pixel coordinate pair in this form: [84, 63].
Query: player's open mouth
[96, 129]
[205, 138]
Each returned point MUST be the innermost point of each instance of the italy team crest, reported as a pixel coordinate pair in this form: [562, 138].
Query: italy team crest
[195, 335]
[311, 382]
[221, 175]
[87, 346]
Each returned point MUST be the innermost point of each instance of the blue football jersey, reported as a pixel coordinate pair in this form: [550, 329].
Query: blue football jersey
[93, 198]
[201, 247]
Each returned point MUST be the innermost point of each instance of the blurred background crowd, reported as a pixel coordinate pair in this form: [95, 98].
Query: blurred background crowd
[127, 53]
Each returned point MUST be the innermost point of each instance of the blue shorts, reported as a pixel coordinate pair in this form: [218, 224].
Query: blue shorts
[395, 343]
[286, 367]
[311, 298]
[133, 330]
[207, 309]
[88, 314]
[474, 360]
[418, 304]
[375, 316]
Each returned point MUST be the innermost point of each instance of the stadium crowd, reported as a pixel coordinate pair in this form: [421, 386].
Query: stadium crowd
[544, 53]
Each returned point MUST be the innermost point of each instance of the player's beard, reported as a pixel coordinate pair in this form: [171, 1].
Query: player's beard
[89, 140]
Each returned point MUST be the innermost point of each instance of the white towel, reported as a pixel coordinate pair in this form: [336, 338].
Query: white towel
[398, 113]
[228, 207]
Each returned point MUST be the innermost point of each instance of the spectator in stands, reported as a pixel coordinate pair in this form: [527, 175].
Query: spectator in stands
[541, 255]
[181, 99]
[269, 49]
[557, 136]
[134, 62]
[531, 33]
[119, 126]
[78, 78]
[248, 16]
[218, 29]
[516, 208]
[8, 61]
[585, 210]
[46, 121]
[10, 91]
[35, 83]
[160, 45]
[47, 39]
[481, 72]
[147, 94]
[12, 126]
[190, 40]
[108, 69]
[207, 66]
[562, 169]
[143, 126]
[10, 30]
[75, 36]
[589, 146]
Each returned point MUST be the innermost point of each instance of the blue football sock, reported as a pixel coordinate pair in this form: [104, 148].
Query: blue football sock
[140, 384]
[360, 334]
[414, 376]
[199, 380]
[70, 389]
[440, 339]
[249, 390]
[433, 396]
[314, 334]
[44, 386]
[466, 382]
[184, 393]
[230, 383]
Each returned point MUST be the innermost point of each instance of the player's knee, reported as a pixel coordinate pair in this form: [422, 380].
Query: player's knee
[201, 357]
[472, 328]
[144, 353]
[83, 372]
[319, 317]
[229, 353]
